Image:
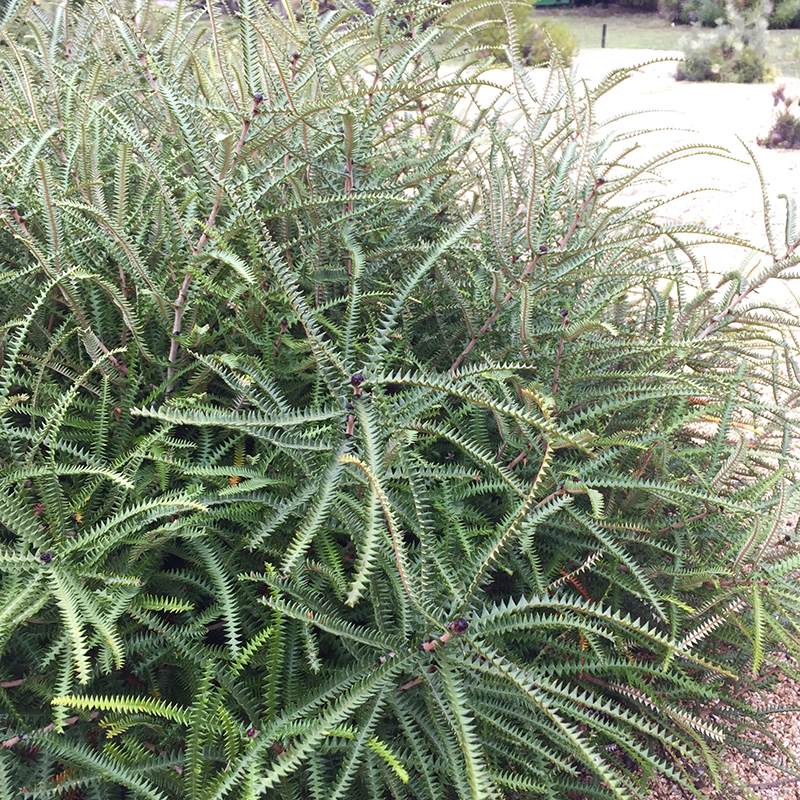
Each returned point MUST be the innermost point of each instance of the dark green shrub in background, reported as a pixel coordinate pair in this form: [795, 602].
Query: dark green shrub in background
[708, 13]
[359, 443]
[705, 13]
[786, 14]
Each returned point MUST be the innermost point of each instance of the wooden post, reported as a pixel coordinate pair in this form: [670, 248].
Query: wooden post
[603, 42]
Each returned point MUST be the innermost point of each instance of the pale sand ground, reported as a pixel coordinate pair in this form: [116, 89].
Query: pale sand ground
[728, 115]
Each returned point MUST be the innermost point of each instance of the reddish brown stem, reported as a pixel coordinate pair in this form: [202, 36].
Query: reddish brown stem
[549, 497]
[67, 51]
[639, 472]
[573, 579]
[430, 646]
[348, 206]
[485, 327]
[734, 301]
[374, 77]
[245, 130]
[284, 325]
[695, 518]
[559, 356]
[517, 460]
[18, 219]
[177, 324]
[47, 729]
[150, 77]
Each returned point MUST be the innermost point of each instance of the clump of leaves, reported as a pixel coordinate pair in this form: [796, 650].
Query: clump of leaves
[358, 440]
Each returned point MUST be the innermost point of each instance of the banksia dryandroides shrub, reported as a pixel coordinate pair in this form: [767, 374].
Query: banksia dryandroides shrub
[358, 440]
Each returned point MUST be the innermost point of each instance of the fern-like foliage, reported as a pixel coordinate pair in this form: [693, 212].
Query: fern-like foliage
[358, 438]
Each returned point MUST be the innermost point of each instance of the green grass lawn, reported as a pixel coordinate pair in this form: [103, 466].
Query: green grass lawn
[630, 30]
[649, 31]
[784, 51]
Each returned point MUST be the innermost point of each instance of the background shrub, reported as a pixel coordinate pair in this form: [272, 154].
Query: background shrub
[786, 14]
[710, 13]
[706, 13]
[356, 442]
[735, 52]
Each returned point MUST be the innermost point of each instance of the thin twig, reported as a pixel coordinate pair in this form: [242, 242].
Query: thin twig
[559, 355]
[378, 57]
[551, 496]
[516, 461]
[150, 76]
[770, 784]
[284, 325]
[349, 184]
[431, 645]
[732, 303]
[18, 219]
[20, 737]
[676, 525]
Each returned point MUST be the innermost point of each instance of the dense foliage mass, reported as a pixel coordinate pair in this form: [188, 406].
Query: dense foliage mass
[357, 439]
